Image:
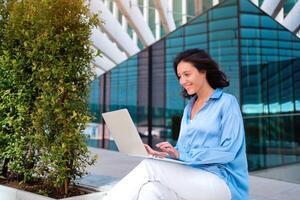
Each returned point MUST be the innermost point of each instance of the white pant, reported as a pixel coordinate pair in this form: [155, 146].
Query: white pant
[159, 180]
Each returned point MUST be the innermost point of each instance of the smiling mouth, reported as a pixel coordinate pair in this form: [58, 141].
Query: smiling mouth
[187, 87]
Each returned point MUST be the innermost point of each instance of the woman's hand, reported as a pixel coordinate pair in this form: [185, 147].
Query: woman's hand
[155, 153]
[169, 149]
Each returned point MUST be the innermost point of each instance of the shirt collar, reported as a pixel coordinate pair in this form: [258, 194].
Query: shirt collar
[216, 94]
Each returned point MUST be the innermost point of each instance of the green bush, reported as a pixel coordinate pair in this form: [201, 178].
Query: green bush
[45, 57]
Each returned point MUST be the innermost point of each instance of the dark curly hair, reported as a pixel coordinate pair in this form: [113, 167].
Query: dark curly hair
[203, 62]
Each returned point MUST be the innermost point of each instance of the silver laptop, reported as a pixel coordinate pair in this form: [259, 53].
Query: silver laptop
[126, 135]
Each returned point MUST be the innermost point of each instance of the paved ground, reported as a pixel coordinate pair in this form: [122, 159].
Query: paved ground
[112, 166]
[288, 173]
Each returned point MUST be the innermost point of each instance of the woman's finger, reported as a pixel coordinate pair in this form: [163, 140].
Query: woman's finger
[149, 149]
[164, 145]
[160, 154]
[153, 152]
[167, 148]
[161, 144]
[172, 152]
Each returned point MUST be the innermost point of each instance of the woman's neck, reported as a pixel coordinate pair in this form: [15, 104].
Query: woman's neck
[205, 93]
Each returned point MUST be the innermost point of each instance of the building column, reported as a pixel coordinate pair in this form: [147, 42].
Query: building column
[115, 11]
[124, 23]
[157, 25]
[280, 16]
[198, 7]
[146, 10]
[255, 2]
[184, 11]
[292, 21]
[215, 2]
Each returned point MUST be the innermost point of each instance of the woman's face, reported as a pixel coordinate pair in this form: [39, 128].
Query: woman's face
[190, 78]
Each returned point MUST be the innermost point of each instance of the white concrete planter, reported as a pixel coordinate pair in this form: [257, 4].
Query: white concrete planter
[8, 193]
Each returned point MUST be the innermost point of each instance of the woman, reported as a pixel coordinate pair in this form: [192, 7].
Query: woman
[211, 143]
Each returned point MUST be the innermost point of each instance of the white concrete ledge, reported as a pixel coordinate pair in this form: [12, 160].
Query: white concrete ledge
[8, 193]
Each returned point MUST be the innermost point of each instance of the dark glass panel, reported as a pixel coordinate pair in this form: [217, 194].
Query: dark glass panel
[132, 87]
[270, 82]
[284, 35]
[289, 146]
[286, 87]
[143, 87]
[250, 33]
[249, 20]
[198, 20]
[174, 103]
[122, 85]
[273, 142]
[223, 24]
[296, 136]
[195, 39]
[256, 147]
[196, 28]
[296, 78]
[268, 22]
[108, 90]
[156, 97]
[94, 98]
[158, 89]
[269, 34]
[223, 37]
[222, 12]
[114, 89]
[248, 7]
[273, 88]
[296, 48]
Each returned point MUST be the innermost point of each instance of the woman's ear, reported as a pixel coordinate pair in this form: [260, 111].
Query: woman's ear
[202, 71]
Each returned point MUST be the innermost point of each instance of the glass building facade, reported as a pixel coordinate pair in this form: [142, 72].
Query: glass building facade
[261, 59]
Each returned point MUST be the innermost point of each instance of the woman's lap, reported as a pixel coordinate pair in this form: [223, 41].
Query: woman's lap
[179, 181]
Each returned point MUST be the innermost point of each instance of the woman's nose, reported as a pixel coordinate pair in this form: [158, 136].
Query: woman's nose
[181, 81]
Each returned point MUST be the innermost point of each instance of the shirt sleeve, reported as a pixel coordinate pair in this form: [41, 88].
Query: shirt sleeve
[231, 141]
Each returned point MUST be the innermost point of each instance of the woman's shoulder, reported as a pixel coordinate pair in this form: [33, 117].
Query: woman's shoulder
[229, 100]
[228, 97]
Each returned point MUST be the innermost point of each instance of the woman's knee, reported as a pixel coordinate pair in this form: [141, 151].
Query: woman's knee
[154, 190]
[148, 191]
[219, 188]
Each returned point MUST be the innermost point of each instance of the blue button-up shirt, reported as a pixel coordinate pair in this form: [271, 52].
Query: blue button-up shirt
[215, 141]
